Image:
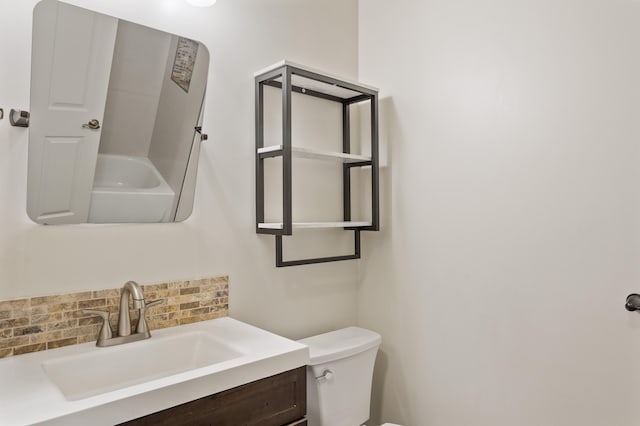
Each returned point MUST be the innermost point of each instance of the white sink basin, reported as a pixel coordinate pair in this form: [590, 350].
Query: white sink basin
[107, 369]
[85, 385]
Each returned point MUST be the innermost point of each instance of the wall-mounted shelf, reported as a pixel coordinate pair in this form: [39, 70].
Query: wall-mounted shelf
[293, 78]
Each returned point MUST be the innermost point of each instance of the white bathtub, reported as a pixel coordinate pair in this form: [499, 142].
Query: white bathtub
[129, 189]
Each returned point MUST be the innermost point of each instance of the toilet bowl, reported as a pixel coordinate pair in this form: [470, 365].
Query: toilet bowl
[339, 376]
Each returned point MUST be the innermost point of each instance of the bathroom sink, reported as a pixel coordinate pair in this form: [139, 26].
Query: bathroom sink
[84, 384]
[107, 369]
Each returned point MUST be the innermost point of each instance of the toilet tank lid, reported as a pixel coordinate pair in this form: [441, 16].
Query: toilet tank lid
[340, 344]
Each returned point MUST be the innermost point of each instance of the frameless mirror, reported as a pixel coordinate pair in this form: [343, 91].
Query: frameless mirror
[116, 109]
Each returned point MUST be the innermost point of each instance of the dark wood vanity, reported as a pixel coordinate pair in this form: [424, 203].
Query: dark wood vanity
[279, 400]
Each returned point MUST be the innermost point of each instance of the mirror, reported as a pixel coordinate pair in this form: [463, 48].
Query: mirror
[116, 110]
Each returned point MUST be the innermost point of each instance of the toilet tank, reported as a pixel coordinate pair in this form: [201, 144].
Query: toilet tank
[339, 376]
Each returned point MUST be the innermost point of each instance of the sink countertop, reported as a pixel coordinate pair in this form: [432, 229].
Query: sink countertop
[28, 396]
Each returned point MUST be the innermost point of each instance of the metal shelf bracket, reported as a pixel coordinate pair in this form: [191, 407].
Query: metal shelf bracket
[280, 262]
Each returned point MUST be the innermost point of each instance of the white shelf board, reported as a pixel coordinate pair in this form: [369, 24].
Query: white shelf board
[317, 154]
[316, 225]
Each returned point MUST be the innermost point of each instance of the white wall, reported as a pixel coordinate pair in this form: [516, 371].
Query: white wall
[242, 36]
[510, 211]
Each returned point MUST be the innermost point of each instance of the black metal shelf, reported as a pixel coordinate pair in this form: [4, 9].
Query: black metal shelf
[293, 78]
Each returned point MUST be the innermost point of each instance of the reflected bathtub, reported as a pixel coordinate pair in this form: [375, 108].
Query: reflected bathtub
[129, 189]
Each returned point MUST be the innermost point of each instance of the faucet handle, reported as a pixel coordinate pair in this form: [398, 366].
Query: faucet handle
[142, 327]
[105, 331]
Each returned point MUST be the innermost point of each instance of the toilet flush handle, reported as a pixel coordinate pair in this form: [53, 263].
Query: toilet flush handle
[326, 375]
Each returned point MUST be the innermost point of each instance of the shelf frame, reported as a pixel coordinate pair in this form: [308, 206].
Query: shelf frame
[280, 262]
[284, 71]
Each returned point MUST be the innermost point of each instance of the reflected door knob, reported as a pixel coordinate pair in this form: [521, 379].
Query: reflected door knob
[93, 124]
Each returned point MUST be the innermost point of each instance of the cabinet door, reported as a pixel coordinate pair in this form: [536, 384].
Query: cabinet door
[275, 401]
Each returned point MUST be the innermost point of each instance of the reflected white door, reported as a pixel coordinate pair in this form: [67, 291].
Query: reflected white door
[71, 64]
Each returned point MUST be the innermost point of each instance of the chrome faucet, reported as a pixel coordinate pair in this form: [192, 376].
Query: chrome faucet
[132, 290]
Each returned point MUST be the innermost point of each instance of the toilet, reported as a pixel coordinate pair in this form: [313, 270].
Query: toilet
[339, 376]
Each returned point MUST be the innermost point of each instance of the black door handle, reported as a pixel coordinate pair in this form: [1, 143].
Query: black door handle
[633, 302]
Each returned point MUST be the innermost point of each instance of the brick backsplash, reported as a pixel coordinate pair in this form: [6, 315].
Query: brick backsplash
[47, 322]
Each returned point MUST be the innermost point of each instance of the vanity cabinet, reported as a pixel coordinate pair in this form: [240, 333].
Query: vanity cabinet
[292, 78]
[275, 401]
